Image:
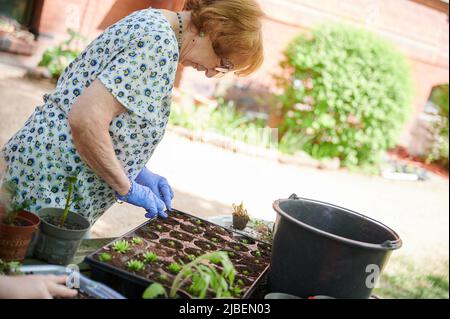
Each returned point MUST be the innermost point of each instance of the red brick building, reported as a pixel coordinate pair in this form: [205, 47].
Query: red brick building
[419, 28]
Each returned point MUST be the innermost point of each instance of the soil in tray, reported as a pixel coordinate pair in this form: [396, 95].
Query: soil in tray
[179, 216]
[160, 250]
[261, 254]
[220, 231]
[147, 234]
[117, 259]
[197, 222]
[169, 221]
[191, 229]
[233, 255]
[193, 251]
[257, 263]
[265, 248]
[181, 235]
[160, 276]
[247, 271]
[214, 238]
[238, 247]
[205, 245]
[156, 227]
[171, 243]
[246, 241]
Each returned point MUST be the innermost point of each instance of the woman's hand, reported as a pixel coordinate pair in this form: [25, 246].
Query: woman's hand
[34, 287]
[157, 184]
[143, 196]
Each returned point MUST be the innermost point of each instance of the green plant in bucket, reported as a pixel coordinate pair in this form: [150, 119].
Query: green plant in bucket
[70, 184]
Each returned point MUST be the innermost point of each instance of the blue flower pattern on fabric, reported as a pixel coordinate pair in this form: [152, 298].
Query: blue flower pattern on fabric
[136, 60]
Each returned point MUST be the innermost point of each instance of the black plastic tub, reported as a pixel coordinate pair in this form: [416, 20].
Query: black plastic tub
[323, 249]
[132, 285]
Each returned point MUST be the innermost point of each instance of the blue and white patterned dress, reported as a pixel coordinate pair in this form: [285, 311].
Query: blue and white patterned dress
[136, 59]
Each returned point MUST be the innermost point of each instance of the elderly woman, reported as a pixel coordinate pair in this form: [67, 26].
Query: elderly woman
[112, 103]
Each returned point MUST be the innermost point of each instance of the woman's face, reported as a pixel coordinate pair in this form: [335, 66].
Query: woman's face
[203, 58]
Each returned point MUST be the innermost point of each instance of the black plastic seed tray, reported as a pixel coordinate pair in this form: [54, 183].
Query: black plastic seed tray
[173, 240]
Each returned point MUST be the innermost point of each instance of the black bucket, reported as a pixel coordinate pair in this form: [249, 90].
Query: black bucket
[323, 249]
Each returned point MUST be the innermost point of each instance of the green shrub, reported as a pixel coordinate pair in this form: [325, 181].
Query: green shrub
[439, 148]
[57, 58]
[346, 92]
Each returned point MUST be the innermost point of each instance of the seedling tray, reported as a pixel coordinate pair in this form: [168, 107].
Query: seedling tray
[173, 240]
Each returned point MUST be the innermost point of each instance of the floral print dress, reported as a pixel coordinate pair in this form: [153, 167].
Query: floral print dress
[136, 60]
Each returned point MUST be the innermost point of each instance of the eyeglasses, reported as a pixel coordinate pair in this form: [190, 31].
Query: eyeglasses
[226, 67]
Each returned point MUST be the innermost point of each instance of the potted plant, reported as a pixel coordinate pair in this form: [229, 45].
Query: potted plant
[61, 230]
[17, 225]
[240, 216]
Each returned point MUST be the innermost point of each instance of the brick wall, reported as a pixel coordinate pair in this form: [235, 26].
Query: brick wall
[421, 32]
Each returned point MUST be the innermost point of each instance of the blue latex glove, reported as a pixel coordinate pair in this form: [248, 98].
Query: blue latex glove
[157, 184]
[143, 196]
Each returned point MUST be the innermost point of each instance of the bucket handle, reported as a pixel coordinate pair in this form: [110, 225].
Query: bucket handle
[294, 196]
[394, 244]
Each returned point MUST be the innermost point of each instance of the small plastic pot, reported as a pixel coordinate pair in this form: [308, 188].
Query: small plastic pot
[240, 222]
[57, 245]
[14, 240]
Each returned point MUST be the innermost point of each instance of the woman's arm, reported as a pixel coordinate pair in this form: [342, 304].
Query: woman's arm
[89, 120]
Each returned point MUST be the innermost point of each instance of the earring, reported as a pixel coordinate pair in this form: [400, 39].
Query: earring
[202, 34]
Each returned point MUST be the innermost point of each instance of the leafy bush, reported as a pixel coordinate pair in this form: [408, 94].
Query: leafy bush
[57, 58]
[439, 148]
[347, 91]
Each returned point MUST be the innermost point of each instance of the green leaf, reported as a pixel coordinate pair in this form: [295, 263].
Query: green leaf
[153, 291]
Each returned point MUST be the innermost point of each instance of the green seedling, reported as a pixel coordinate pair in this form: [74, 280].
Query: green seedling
[191, 257]
[70, 184]
[137, 240]
[135, 265]
[171, 243]
[204, 277]
[121, 246]
[237, 247]
[258, 253]
[174, 268]
[9, 268]
[150, 257]
[105, 257]
[12, 208]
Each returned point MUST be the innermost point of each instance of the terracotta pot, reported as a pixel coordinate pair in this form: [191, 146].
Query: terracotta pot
[14, 240]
